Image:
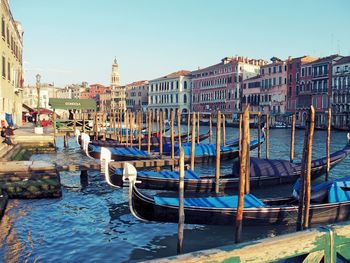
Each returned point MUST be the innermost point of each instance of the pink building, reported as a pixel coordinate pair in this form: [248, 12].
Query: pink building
[97, 89]
[219, 87]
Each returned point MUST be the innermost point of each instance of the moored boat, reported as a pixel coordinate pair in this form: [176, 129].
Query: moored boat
[263, 172]
[221, 210]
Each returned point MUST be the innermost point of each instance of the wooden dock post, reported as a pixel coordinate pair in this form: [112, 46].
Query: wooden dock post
[267, 135]
[104, 123]
[83, 121]
[328, 145]
[247, 160]
[188, 126]
[218, 146]
[224, 129]
[180, 232]
[65, 140]
[308, 170]
[95, 126]
[179, 127]
[54, 126]
[193, 143]
[259, 135]
[84, 178]
[198, 127]
[292, 138]
[210, 130]
[240, 135]
[305, 191]
[242, 174]
[161, 133]
[140, 129]
[149, 132]
[172, 135]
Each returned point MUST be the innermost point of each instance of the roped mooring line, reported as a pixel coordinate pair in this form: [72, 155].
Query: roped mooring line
[331, 241]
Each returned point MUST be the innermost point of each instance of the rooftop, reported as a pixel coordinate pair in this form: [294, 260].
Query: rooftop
[343, 60]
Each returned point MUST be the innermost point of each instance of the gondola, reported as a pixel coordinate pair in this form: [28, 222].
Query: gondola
[263, 173]
[122, 153]
[206, 152]
[154, 143]
[221, 210]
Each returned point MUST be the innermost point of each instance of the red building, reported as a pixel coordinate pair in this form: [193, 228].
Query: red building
[97, 89]
[314, 87]
[295, 102]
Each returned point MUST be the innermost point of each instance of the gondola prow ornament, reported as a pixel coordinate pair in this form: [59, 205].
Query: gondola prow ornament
[77, 133]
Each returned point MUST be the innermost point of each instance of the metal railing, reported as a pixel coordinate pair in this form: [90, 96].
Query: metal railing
[330, 244]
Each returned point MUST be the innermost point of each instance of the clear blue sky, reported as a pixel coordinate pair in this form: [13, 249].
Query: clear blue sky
[70, 41]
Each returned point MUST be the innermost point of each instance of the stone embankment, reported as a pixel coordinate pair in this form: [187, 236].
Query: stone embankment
[27, 179]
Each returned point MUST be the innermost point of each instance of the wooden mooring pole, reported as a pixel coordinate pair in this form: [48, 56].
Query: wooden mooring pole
[139, 128]
[242, 174]
[292, 138]
[172, 135]
[328, 146]
[218, 146]
[179, 127]
[193, 143]
[267, 135]
[247, 159]
[210, 130]
[149, 132]
[259, 135]
[224, 129]
[198, 127]
[188, 126]
[161, 133]
[305, 191]
[180, 232]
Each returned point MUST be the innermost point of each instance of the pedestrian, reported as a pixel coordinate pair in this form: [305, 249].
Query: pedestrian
[8, 134]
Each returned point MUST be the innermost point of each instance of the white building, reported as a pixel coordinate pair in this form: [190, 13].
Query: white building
[341, 93]
[30, 95]
[170, 93]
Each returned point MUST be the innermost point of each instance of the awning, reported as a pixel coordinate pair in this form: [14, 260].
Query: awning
[73, 104]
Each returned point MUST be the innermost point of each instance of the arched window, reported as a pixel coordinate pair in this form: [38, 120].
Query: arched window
[185, 84]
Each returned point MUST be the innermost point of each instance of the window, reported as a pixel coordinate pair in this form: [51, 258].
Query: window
[177, 85]
[185, 84]
[280, 81]
[177, 97]
[303, 72]
[3, 27]
[3, 67]
[185, 98]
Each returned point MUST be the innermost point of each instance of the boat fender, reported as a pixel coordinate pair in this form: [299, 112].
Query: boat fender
[348, 136]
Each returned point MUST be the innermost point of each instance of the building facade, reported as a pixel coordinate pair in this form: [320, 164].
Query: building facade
[314, 87]
[273, 91]
[137, 95]
[297, 101]
[170, 93]
[219, 87]
[47, 91]
[11, 82]
[251, 93]
[341, 94]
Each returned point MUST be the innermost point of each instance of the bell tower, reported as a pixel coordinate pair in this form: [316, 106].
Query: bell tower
[115, 75]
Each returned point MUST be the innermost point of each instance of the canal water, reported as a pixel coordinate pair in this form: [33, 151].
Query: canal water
[93, 223]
